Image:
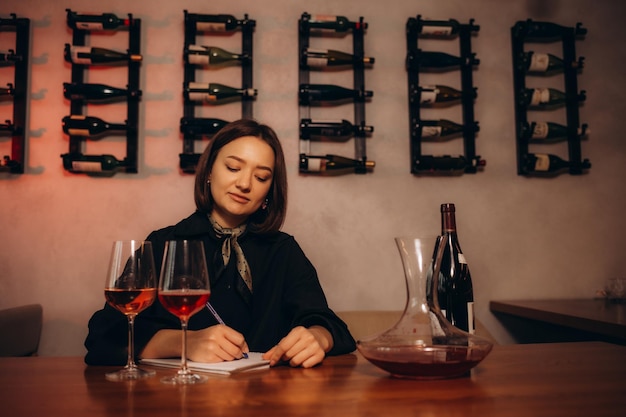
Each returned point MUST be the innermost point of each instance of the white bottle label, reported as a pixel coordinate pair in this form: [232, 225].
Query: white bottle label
[89, 25]
[470, 318]
[542, 163]
[85, 166]
[80, 50]
[211, 27]
[462, 259]
[314, 61]
[431, 131]
[314, 164]
[436, 30]
[540, 130]
[540, 96]
[539, 62]
[429, 94]
[200, 58]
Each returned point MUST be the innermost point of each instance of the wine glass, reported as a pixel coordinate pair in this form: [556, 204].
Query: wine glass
[183, 291]
[130, 287]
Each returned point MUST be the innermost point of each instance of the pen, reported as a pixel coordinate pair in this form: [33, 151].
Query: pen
[220, 321]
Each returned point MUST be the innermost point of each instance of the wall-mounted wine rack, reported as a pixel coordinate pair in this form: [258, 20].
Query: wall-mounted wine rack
[421, 130]
[78, 125]
[192, 127]
[323, 94]
[18, 91]
[542, 64]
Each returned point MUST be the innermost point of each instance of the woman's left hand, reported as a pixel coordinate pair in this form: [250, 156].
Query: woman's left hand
[303, 346]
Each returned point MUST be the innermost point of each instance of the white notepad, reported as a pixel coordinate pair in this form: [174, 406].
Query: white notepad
[254, 362]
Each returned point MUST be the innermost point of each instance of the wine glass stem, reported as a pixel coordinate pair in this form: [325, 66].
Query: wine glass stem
[130, 363]
[183, 354]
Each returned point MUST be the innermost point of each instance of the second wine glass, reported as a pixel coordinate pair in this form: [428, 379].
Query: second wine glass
[183, 291]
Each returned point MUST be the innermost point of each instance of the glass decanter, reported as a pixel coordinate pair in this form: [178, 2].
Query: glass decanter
[423, 344]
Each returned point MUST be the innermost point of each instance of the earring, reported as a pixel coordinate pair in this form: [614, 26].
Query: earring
[265, 203]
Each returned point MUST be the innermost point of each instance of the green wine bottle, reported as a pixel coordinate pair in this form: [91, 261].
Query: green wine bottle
[79, 163]
[96, 92]
[331, 130]
[92, 55]
[79, 125]
[336, 23]
[88, 21]
[441, 129]
[319, 93]
[215, 93]
[319, 58]
[333, 164]
[211, 56]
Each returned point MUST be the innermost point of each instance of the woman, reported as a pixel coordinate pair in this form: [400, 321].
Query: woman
[262, 284]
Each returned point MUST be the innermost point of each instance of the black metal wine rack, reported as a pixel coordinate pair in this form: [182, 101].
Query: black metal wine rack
[361, 163]
[19, 88]
[129, 164]
[522, 33]
[189, 157]
[422, 164]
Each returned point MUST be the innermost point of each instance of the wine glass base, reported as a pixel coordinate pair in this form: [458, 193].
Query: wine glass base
[129, 374]
[185, 379]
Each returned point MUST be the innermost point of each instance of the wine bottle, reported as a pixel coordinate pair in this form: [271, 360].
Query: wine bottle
[336, 23]
[543, 98]
[319, 58]
[455, 290]
[440, 95]
[9, 58]
[445, 164]
[79, 125]
[544, 163]
[89, 21]
[215, 93]
[437, 60]
[542, 63]
[75, 162]
[333, 164]
[313, 93]
[7, 91]
[211, 56]
[438, 28]
[545, 31]
[96, 92]
[196, 126]
[331, 130]
[92, 55]
[441, 129]
[547, 132]
[7, 126]
[217, 22]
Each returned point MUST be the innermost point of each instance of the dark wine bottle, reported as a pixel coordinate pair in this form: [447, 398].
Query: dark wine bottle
[79, 125]
[319, 58]
[217, 22]
[441, 129]
[318, 93]
[544, 98]
[440, 95]
[211, 56]
[214, 92]
[89, 21]
[455, 289]
[445, 164]
[331, 130]
[7, 126]
[544, 163]
[333, 164]
[196, 126]
[77, 163]
[542, 63]
[425, 60]
[92, 55]
[9, 58]
[438, 28]
[96, 92]
[336, 23]
[545, 31]
[547, 132]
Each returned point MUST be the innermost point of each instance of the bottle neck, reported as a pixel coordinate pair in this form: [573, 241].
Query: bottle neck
[448, 221]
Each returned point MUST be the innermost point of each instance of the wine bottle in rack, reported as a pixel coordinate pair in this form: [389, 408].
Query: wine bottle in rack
[320, 58]
[545, 98]
[74, 162]
[7, 91]
[217, 22]
[455, 289]
[438, 28]
[215, 93]
[442, 129]
[547, 132]
[545, 31]
[211, 56]
[9, 58]
[92, 55]
[315, 93]
[544, 163]
[336, 23]
[445, 164]
[79, 125]
[332, 130]
[542, 63]
[89, 21]
[332, 164]
[440, 95]
[96, 92]
[437, 60]
[7, 126]
[196, 126]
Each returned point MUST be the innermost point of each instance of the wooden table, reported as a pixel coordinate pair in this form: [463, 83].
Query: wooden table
[573, 320]
[568, 379]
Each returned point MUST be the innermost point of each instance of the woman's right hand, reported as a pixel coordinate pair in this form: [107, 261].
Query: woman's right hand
[215, 344]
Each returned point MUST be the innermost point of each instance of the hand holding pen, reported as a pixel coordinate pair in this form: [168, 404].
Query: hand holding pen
[220, 321]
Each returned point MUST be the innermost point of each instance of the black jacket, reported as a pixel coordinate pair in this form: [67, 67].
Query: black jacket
[287, 293]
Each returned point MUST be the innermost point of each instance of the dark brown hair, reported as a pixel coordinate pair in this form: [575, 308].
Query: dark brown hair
[265, 220]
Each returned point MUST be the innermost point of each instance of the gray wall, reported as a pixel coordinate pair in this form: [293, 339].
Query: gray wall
[523, 237]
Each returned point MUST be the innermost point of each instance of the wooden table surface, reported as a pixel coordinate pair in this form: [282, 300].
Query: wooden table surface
[561, 379]
[597, 316]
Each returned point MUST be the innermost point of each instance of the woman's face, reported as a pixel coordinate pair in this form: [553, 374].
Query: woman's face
[240, 179]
